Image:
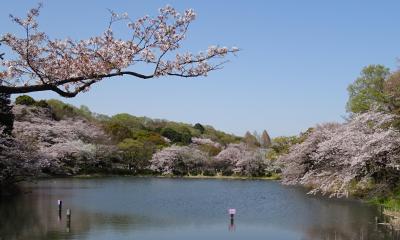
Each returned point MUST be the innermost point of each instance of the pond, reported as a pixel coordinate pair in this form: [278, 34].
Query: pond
[171, 208]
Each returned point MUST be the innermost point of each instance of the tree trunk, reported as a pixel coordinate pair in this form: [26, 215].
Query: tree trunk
[6, 115]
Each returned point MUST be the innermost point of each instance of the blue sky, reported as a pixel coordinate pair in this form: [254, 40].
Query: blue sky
[297, 59]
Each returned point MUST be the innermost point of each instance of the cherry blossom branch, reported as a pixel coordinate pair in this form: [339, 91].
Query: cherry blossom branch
[54, 87]
[68, 67]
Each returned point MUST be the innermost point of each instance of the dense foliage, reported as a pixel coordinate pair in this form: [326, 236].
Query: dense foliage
[25, 100]
[375, 89]
[368, 90]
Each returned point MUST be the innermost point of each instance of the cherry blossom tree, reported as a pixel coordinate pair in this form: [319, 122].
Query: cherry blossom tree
[205, 141]
[241, 160]
[235, 159]
[18, 161]
[65, 146]
[163, 161]
[252, 163]
[230, 155]
[179, 160]
[356, 157]
[69, 66]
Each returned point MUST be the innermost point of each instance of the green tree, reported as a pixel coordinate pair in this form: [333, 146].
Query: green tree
[149, 137]
[117, 131]
[186, 135]
[25, 100]
[368, 89]
[85, 112]
[281, 145]
[177, 135]
[61, 110]
[42, 104]
[199, 127]
[136, 154]
[171, 134]
[128, 120]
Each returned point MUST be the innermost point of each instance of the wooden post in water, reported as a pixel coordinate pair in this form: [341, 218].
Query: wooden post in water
[232, 213]
[59, 203]
[68, 220]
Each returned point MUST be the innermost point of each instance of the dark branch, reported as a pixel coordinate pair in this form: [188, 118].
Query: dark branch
[100, 76]
[55, 86]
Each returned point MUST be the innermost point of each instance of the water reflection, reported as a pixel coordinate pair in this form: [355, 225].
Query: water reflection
[232, 226]
[150, 208]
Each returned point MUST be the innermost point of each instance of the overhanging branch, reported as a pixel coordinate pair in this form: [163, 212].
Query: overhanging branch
[55, 86]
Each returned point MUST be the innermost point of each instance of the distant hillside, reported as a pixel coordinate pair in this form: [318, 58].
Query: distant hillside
[73, 140]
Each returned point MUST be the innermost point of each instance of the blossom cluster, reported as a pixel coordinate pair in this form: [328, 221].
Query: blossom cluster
[234, 159]
[205, 141]
[177, 160]
[18, 161]
[58, 142]
[243, 160]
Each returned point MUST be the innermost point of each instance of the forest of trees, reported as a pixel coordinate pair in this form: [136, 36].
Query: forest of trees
[52, 138]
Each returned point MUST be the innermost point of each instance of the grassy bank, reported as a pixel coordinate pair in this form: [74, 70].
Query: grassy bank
[390, 203]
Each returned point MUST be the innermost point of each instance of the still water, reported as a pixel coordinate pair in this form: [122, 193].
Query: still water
[162, 208]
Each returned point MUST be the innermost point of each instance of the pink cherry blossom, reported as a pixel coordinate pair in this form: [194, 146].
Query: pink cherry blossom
[334, 157]
[71, 66]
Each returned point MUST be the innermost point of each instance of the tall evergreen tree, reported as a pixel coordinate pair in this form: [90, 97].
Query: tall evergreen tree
[250, 140]
[265, 139]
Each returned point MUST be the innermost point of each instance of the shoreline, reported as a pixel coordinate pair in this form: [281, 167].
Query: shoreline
[271, 178]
